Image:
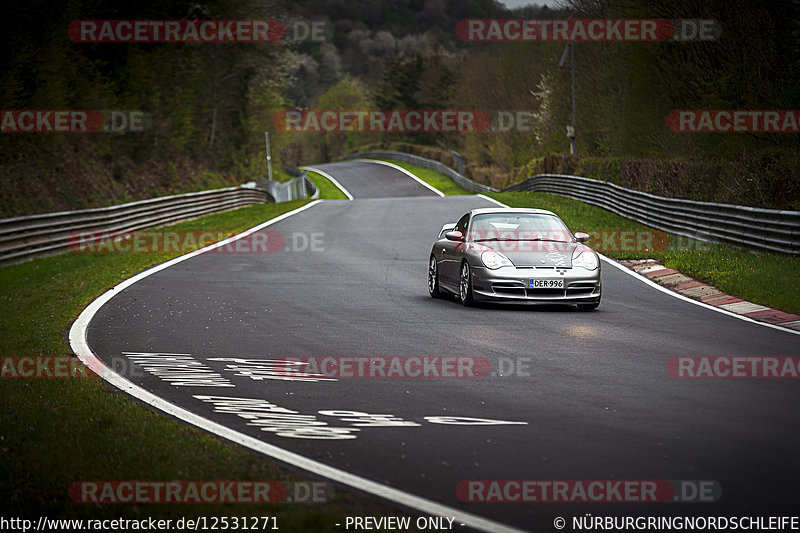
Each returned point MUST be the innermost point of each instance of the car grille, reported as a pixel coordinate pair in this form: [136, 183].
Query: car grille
[510, 288]
[518, 289]
[581, 288]
[545, 292]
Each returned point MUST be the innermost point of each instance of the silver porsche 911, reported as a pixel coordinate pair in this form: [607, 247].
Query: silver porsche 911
[514, 255]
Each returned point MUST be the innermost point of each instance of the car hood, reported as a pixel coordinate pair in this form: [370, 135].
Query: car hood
[534, 253]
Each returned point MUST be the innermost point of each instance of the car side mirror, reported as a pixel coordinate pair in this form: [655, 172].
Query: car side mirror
[581, 236]
[454, 236]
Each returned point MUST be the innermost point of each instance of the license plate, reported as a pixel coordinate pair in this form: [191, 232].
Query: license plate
[545, 283]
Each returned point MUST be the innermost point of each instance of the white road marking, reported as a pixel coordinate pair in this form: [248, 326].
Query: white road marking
[674, 294]
[498, 202]
[332, 179]
[277, 369]
[180, 370]
[470, 421]
[77, 340]
[281, 421]
[404, 171]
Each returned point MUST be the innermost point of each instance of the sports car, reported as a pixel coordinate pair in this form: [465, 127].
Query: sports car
[514, 255]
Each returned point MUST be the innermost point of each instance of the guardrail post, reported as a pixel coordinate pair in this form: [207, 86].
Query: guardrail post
[459, 161]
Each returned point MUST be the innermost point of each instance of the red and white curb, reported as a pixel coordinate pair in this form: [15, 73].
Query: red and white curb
[697, 290]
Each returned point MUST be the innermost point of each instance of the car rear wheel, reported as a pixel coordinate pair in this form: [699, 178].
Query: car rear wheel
[465, 286]
[433, 279]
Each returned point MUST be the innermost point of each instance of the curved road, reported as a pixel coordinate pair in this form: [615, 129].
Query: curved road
[590, 389]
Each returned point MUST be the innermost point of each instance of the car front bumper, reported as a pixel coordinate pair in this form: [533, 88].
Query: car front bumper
[511, 284]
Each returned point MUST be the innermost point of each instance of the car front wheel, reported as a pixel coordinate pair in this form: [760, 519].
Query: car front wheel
[589, 307]
[465, 286]
[433, 279]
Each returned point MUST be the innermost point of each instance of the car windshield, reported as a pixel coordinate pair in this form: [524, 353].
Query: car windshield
[518, 227]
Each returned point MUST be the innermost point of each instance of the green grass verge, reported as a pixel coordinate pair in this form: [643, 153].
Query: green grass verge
[432, 177]
[765, 278]
[54, 432]
[327, 190]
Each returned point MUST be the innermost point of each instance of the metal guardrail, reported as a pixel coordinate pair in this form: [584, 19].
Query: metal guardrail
[23, 238]
[741, 226]
[462, 181]
[746, 227]
[297, 188]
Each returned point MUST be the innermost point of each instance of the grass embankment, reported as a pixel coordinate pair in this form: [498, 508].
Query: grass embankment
[765, 278]
[327, 190]
[432, 177]
[54, 432]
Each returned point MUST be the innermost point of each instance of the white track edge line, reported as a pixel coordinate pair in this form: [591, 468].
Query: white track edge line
[79, 345]
[674, 294]
[498, 202]
[406, 172]
[332, 179]
[680, 296]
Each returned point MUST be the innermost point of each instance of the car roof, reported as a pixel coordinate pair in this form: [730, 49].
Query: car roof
[507, 210]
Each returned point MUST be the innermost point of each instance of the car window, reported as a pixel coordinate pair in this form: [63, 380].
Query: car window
[462, 224]
[518, 226]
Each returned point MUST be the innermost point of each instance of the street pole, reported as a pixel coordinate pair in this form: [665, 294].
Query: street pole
[570, 48]
[572, 66]
[269, 157]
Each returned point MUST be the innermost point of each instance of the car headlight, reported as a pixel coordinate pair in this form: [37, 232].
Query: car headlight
[495, 260]
[585, 258]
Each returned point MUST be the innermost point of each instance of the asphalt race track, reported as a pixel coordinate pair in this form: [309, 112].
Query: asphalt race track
[589, 396]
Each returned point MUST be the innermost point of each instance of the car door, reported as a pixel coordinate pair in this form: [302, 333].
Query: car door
[450, 253]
